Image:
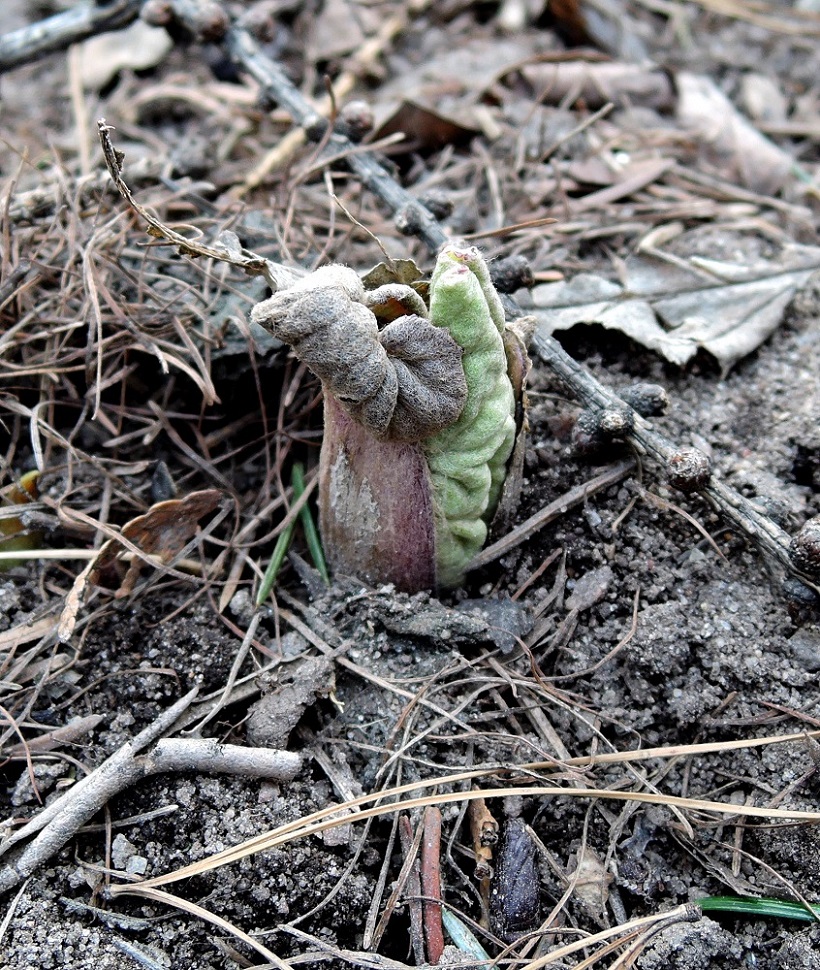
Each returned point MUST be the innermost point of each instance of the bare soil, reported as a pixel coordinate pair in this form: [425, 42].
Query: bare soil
[657, 624]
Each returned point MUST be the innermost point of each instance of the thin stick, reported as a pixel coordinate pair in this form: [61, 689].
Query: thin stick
[575, 496]
[62, 819]
[365, 57]
[409, 877]
[431, 884]
[63, 29]
[250, 263]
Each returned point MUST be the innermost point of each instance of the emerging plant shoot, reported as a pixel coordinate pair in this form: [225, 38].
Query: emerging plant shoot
[420, 415]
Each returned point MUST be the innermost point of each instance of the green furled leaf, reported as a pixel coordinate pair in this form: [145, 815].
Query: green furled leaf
[468, 459]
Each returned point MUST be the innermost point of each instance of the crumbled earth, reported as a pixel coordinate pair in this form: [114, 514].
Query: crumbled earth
[657, 624]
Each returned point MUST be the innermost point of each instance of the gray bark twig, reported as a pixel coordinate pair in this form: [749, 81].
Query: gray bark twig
[62, 819]
[770, 538]
[242, 47]
[64, 29]
[207, 754]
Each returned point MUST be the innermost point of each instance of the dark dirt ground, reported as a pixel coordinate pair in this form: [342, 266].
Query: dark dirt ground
[710, 650]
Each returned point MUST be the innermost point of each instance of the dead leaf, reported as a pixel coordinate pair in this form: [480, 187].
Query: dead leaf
[396, 271]
[677, 306]
[342, 27]
[596, 83]
[592, 299]
[590, 880]
[440, 100]
[137, 48]
[424, 128]
[162, 532]
[730, 141]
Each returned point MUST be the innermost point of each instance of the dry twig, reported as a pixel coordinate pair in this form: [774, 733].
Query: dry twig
[61, 819]
[431, 883]
[63, 29]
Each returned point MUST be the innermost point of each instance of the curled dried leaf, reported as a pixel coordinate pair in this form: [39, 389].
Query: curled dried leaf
[402, 383]
[162, 532]
[393, 300]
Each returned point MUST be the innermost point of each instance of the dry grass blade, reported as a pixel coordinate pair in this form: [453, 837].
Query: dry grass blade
[328, 817]
[767, 15]
[685, 913]
[202, 913]
[682, 750]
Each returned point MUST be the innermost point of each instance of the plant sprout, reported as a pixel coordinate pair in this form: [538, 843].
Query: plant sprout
[420, 414]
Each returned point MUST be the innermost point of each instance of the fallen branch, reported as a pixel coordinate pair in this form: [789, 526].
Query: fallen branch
[64, 29]
[757, 526]
[363, 60]
[413, 217]
[62, 819]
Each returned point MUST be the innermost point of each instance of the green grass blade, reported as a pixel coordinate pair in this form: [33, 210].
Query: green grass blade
[275, 564]
[763, 906]
[314, 543]
[463, 937]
